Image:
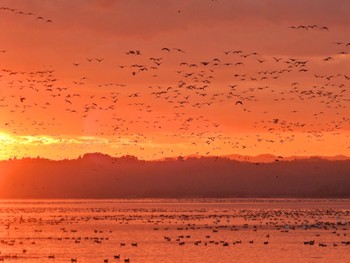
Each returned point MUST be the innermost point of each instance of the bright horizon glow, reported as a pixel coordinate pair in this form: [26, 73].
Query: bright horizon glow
[44, 146]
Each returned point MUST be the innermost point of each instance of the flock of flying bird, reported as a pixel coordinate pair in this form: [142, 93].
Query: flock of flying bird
[23, 13]
[178, 98]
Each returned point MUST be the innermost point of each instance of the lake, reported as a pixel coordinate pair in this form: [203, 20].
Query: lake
[175, 230]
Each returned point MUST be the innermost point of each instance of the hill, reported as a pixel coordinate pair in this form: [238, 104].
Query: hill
[101, 176]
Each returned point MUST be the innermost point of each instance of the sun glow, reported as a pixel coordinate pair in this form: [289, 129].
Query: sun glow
[6, 139]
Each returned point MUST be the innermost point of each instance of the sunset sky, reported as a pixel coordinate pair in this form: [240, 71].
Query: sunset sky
[164, 78]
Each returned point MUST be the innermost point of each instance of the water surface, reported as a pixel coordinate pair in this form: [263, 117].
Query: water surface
[175, 230]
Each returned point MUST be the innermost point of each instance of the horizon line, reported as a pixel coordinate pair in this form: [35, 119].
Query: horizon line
[233, 156]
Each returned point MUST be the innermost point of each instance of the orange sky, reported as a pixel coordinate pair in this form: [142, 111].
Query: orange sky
[290, 93]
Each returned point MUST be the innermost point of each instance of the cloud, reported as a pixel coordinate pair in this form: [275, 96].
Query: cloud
[7, 139]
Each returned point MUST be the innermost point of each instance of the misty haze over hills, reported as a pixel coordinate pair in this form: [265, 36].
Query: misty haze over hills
[101, 176]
